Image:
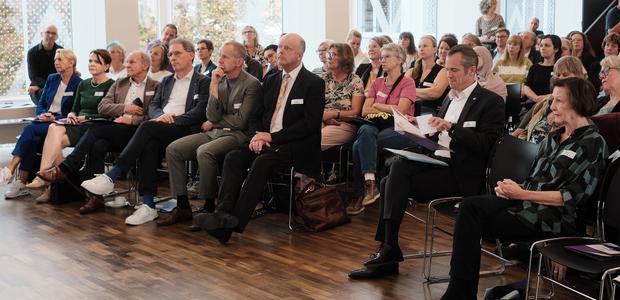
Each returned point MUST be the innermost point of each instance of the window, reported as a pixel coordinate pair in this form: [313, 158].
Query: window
[147, 21]
[21, 24]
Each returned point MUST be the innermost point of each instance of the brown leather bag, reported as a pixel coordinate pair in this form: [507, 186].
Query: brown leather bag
[320, 207]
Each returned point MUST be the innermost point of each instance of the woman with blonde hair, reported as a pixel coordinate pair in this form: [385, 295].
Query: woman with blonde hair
[610, 79]
[513, 65]
[430, 78]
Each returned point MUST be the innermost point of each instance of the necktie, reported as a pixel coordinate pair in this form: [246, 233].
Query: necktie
[281, 99]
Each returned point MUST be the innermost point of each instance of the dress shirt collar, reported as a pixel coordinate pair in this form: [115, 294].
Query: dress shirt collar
[293, 72]
[464, 94]
[137, 84]
[188, 76]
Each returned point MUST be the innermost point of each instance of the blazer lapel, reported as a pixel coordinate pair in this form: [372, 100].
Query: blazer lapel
[189, 102]
[444, 107]
[473, 97]
[123, 89]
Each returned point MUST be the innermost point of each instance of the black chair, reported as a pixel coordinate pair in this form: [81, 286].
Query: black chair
[511, 159]
[513, 105]
[554, 249]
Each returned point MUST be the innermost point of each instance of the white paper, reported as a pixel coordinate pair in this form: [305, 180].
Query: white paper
[417, 157]
[604, 249]
[401, 124]
[426, 128]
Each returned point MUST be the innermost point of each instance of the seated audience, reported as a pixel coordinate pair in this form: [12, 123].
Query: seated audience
[537, 123]
[370, 71]
[159, 62]
[233, 95]
[41, 61]
[501, 40]
[55, 103]
[582, 48]
[489, 22]
[610, 47]
[470, 132]
[408, 43]
[168, 33]
[344, 96]
[536, 86]
[529, 41]
[513, 66]
[354, 39]
[471, 40]
[87, 97]
[204, 49]
[485, 77]
[127, 103]
[430, 78]
[322, 52]
[253, 67]
[177, 109]
[270, 54]
[117, 67]
[393, 91]
[610, 78]
[546, 204]
[446, 43]
[285, 131]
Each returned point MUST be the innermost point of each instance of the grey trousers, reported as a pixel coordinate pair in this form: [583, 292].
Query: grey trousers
[207, 151]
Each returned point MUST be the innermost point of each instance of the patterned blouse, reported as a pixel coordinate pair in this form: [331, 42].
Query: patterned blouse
[573, 167]
[339, 95]
[258, 55]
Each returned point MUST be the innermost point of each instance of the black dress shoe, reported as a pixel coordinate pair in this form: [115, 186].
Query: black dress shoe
[216, 220]
[386, 254]
[370, 272]
[221, 234]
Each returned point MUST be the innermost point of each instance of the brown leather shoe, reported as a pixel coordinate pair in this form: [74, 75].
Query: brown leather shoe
[52, 175]
[371, 192]
[176, 216]
[194, 227]
[93, 204]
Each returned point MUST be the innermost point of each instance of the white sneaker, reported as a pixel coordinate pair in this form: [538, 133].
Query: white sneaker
[5, 175]
[142, 215]
[16, 189]
[100, 185]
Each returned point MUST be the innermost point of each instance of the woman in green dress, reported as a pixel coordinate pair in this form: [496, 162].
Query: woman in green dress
[89, 94]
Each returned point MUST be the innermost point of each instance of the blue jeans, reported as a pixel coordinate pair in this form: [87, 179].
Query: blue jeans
[366, 148]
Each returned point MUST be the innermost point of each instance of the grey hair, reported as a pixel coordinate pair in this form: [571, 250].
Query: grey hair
[145, 57]
[485, 5]
[187, 45]
[396, 48]
[238, 48]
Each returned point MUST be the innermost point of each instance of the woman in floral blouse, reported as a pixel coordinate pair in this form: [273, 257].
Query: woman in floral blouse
[344, 95]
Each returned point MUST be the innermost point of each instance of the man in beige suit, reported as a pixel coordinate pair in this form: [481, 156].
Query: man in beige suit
[233, 94]
[126, 103]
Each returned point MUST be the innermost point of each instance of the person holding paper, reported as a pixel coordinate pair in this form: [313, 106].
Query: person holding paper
[55, 103]
[177, 109]
[570, 164]
[127, 104]
[469, 123]
[88, 95]
[387, 92]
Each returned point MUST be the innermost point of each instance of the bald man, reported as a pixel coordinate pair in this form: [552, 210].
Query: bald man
[285, 131]
[40, 61]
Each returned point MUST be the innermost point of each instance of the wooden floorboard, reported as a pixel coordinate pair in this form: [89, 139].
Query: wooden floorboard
[52, 252]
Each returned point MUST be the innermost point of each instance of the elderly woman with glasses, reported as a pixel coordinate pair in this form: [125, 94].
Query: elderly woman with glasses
[610, 79]
[322, 53]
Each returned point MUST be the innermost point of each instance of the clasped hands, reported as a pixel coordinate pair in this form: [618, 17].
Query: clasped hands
[259, 141]
[509, 190]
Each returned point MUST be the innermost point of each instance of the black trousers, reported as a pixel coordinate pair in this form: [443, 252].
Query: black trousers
[481, 216]
[420, 181]
[239, 198]
[148, 145]
[97, 142]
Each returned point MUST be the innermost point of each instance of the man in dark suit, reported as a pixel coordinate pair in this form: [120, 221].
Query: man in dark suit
[285, 131]
[178, 109]
[469, 123]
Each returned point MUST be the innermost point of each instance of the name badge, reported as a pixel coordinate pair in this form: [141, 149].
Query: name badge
[568, 153]
[195, 96]
[381, 94]
[98, 94]
[68, 94]
[237, 105]
[297, 101]
[427, 84]
[149, 93]
[470, 124]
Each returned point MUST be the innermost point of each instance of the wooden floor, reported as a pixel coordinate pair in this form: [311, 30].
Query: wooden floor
[52, 252]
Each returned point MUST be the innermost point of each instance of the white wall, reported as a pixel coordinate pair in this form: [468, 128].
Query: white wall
[126, 32]
[458, 17]
[89, 30]
[568, 16]
[308, 19]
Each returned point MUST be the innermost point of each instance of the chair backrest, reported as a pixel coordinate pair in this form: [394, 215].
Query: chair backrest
[513, 100]
[610, 195]
[512, 159]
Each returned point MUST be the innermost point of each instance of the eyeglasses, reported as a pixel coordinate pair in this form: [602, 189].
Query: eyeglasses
[51, 33]
[605, 72]
[331, 55]
[320, 51]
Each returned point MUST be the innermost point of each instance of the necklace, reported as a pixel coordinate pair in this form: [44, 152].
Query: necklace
[94, 85]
